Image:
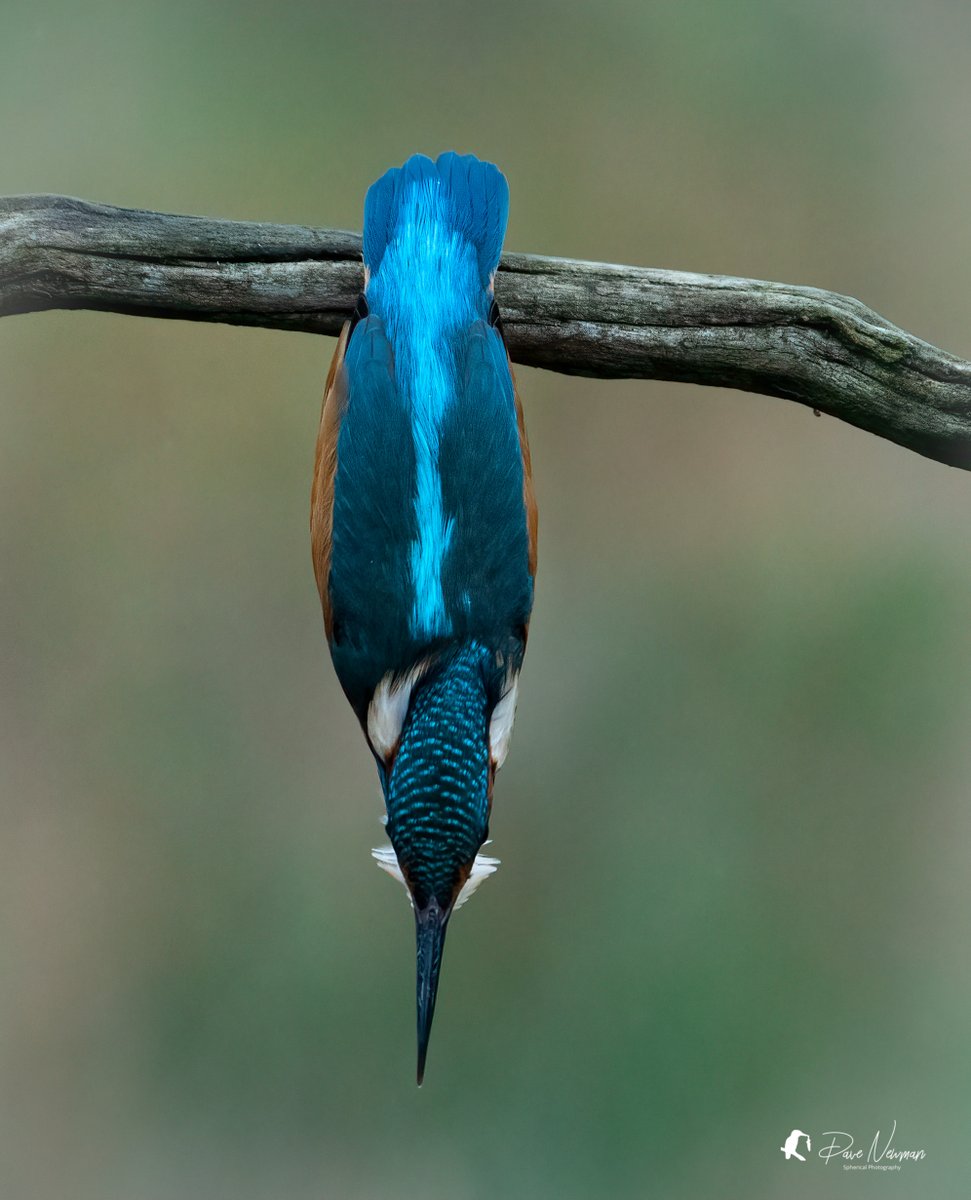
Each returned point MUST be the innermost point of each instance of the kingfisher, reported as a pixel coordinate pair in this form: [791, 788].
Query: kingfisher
[423, 529]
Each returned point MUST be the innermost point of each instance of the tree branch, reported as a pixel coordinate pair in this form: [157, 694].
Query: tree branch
[823, 350]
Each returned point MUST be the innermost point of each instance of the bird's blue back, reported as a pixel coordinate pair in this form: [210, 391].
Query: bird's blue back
[430, 541]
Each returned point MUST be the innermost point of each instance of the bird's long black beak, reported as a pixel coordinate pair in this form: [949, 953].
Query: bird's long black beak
[430, 925]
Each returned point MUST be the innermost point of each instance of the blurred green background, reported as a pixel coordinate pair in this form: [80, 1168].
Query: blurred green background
[734, 824]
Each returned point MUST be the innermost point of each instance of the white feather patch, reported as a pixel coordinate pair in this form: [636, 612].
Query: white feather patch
[388, 708]
[500, 727]
[482, 868]
[387, 860]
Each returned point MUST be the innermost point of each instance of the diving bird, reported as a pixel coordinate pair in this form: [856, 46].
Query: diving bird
[423, 527]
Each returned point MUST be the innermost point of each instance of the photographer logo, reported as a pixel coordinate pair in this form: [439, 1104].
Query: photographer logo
[882, 1154]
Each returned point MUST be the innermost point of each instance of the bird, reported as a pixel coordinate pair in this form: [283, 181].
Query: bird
[423, 530]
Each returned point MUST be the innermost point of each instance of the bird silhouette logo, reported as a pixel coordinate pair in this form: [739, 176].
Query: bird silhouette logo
[791, 1147]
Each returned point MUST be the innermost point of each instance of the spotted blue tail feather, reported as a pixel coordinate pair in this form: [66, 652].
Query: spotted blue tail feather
[438, 804]
[438, 798]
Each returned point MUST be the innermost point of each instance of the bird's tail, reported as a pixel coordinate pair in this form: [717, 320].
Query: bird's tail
[456, 193]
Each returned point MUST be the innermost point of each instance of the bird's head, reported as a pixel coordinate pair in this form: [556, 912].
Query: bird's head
[441, 733]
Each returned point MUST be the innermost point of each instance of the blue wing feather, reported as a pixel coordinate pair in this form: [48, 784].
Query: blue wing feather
[486, 576]
[374, 517]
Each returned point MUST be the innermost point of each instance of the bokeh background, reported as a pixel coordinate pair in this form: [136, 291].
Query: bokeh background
[734, 824]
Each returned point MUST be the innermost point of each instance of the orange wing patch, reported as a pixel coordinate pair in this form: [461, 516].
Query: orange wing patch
[325, 471]
[529, 496]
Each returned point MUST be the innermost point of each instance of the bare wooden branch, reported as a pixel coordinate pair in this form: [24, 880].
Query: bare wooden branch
[823, 350]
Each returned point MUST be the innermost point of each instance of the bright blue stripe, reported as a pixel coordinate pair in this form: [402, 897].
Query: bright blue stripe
[427, 289]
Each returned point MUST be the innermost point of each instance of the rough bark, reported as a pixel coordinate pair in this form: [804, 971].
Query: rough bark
[824, 350]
